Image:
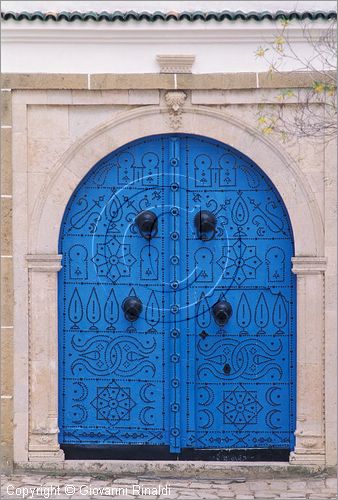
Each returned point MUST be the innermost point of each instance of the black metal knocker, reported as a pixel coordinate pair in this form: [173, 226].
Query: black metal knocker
[222, 312]
[205, 223]
[132, 307]
[147, 224]
[226, 369]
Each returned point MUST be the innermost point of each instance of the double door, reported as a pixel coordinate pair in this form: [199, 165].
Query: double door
[176, 302]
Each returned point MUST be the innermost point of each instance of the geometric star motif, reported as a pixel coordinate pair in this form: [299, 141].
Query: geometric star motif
[113, 403]
[239, 262]
[239, 407]
[113, 259]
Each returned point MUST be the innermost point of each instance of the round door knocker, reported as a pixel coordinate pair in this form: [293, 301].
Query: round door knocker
[222, 312]
[205, 223]
[147, 224]
[132, 307]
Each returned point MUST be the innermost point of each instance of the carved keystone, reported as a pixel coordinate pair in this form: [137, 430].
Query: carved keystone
[175, 101]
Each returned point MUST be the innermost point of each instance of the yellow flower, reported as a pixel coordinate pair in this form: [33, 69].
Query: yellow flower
[262, 120]
[260, 52]
[279, 42]
[285, 93]
[267, 130]
[318, 87]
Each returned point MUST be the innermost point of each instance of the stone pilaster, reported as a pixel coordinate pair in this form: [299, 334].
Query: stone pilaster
[310, 441]
[43, 358]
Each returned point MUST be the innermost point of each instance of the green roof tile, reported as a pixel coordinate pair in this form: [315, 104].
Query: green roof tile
[167, 16]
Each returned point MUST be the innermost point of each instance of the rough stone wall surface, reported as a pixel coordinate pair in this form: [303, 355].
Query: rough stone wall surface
[61, 109]
[6, 284]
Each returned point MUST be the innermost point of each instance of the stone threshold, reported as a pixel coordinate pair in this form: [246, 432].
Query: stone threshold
[111, 81]
[173, 469]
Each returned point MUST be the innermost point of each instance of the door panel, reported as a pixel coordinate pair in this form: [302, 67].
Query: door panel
[113, 371]
[174, 377]
[242, 385]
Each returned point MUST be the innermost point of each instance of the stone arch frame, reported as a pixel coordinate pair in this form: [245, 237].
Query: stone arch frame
[40, 438]
[129, 126]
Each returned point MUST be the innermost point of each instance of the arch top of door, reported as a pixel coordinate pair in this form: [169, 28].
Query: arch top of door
[132, 125]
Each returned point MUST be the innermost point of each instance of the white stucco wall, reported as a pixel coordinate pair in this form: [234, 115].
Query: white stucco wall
[90, 47]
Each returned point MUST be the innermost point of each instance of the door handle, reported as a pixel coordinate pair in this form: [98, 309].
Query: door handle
[221, 312]
[146, 222]
[205, 223]
[132, 307]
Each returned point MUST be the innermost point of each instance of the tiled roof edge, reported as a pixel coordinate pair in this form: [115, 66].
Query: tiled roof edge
[167, 16]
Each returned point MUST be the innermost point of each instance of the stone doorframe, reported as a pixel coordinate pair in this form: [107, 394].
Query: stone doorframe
[36, 264]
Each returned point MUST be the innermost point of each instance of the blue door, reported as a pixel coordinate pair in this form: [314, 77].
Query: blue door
[176, 302]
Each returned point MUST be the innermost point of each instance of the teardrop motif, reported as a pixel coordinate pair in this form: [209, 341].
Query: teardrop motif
[261, 313]
[93, 310]
[203, 312]
[115, 209]
[251, 175]
[152, 310]
[279, 314]
[240, 212]
[243, 312]
[75, 309]
[111, 310]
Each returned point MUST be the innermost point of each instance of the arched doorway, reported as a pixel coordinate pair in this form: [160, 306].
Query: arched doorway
[178, 380]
